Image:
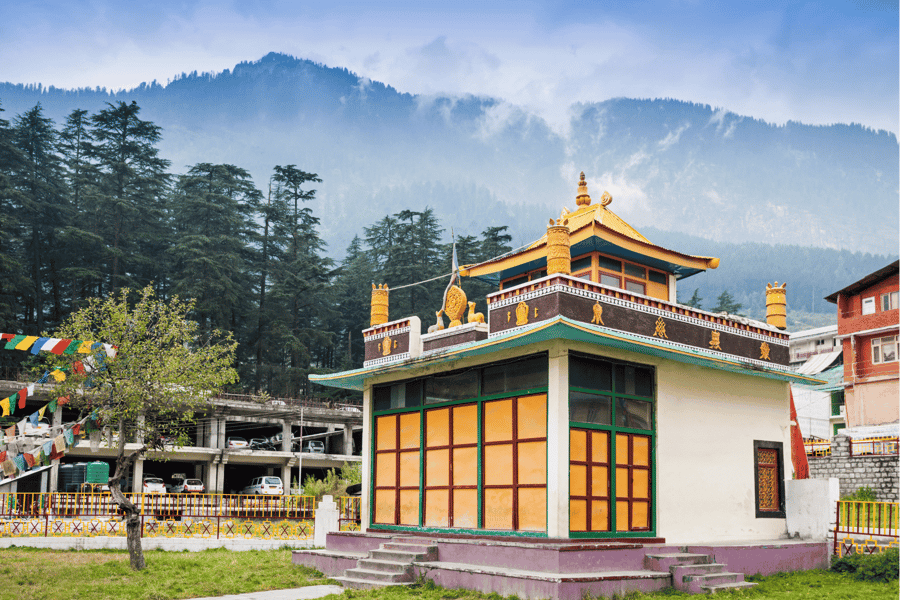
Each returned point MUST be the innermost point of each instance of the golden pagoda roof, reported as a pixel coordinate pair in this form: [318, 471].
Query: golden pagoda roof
[595, 227]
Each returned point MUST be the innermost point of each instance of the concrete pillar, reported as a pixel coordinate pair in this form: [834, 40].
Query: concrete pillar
[221, 477]
[348, 439]
[212, 477]
[364, 507]
[558, 443]
[137, 483]
[200, 436]
[220, 440]
[198, 471]
[285, 437]
[286, 479]
[54, 475]
[213, 433]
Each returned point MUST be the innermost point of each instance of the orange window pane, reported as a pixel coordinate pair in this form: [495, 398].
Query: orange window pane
[599, 515]
[386, 438]
[409, 469]
[641, 449]
[437, 427]
[599, 446]
[532, 509]
[437, 468]
[640, 515]
[386, 469]
[640, 483]
[465, 466]
[599, 481]
[409, 507]
[437, 508]
[465, 424]
[385, 506]
[498, 513]
[622, 449]
[498, 465]
[622, 483]
[577, 480]
[578, 445]
[532, 417]
[498, 421]
[465, 508]
[577, 515]
[622, 516]
[532, 462]
[409, 430]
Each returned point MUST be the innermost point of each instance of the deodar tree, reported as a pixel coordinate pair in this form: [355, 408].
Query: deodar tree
[163, 372]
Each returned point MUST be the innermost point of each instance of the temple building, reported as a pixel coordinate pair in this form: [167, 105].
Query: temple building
[582, 401]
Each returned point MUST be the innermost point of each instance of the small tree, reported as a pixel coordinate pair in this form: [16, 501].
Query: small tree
[696, 300]
[725, 303]
[161, 374]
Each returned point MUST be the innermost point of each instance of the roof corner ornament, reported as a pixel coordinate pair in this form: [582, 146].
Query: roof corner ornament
[583, 198]
[606, 199]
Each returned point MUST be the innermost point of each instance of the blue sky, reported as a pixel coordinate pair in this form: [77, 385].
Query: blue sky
[815, 62]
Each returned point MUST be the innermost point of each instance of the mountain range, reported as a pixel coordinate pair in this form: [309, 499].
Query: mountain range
[678, 168]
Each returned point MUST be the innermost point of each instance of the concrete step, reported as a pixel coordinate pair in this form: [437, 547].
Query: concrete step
[389, 566]
[427, 548]
[725, 587]
[402, 555]
[679, 572]
[662, 562]
[695, 584]
[366, 584]
[378, 576]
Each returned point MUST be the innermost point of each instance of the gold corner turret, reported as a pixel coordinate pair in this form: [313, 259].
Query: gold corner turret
[379, 313]
[776, 305]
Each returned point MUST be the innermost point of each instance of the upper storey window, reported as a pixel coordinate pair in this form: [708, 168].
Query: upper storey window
[631, 277]
[868, 306]
[889, 301]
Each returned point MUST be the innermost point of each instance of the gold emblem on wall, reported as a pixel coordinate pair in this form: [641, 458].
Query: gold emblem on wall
[598, 314]
[764, 351]
[714, 341]
[522, 314]
[386, 346]
[660, 330]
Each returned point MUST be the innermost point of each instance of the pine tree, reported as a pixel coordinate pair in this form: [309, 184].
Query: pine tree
[13, 282]
[696, 300]
[132, 191]
[725, 303]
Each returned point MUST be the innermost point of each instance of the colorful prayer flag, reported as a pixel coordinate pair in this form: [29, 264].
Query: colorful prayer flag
[9, 467]
[41, 411]
[4, 404]
[70, 437]
[20, 462]
[33, 419]
[59, 444]
[11, 344]
[58, 375]
[23, 394]
[52, 406]
[47, 448]
[26, 343]
[85, 347]
[72, 347]
[29, 459]
[10, 431]
[2, 456]
[38, 344]
[60, 347]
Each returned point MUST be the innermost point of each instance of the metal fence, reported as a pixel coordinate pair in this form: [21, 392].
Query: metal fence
[882, 446]
[866, 527]
[349, 513]
[176, 515]
[817, 448]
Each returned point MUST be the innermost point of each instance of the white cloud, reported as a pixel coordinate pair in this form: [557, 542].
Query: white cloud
[672, 138]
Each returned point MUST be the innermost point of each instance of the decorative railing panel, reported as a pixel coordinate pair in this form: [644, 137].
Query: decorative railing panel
[865, 527]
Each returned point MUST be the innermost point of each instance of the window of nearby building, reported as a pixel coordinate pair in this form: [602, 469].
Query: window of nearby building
[889, 301]
[884, 349]
[868, 306]
[837, 403]
[768, 465]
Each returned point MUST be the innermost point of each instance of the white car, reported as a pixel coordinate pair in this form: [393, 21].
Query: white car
[189, 486]
[42, 429]
[269, 485]
[154, 485]
[237, 442]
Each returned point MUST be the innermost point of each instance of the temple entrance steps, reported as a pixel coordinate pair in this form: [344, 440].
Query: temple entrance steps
[391, 564]
[696, 573]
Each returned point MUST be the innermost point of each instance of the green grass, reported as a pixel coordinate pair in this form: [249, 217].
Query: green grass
[37, 574]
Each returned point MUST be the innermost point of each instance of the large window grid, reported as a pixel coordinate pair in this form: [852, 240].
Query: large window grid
[450, 485]
[615, 399]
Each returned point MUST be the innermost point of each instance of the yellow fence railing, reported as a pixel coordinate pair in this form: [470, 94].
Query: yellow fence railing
[866, 527]
[167, 515]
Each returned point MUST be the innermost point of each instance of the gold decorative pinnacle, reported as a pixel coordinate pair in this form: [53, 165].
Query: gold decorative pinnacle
[606, 199]
[583, 198]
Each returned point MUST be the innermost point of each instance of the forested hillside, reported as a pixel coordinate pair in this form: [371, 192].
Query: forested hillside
[277, 210]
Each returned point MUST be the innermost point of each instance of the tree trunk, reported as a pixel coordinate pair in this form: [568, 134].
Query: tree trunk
[132, 515]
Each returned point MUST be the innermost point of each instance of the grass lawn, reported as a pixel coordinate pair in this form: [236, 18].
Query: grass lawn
[36, 574]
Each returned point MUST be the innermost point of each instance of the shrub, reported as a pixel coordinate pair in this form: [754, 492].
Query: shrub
[881, 567]
[862, 494]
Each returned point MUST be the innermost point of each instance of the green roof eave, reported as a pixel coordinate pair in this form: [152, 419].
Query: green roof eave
[564, 328]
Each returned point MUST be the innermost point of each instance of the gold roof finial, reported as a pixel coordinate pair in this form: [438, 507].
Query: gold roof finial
[605, 199]
[583, 198]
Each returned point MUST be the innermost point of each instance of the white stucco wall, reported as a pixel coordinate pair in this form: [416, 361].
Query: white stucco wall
[707, 421]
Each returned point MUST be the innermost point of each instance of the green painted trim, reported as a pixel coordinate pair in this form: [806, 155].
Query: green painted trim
[479, 520]
[610, 393]
[421, 467]
[611, 534]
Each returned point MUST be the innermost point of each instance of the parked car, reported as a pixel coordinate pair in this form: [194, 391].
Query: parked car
[269, 485]
[175, 483]
[154, 485]
[93, 488]
[260, 444]
[190, 486]
[42, 428]
[314, 446]
[237, 442]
